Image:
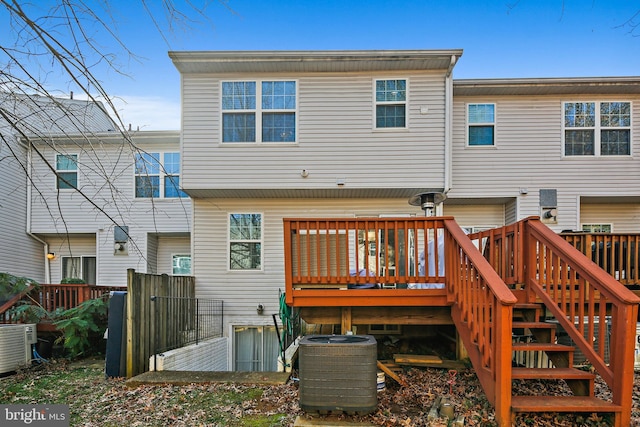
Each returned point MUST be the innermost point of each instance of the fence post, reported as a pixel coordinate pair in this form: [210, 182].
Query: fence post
[85, 291]
[131, 274]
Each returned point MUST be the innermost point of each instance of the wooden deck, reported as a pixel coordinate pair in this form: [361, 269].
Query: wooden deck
[416, 269]
[53, 297]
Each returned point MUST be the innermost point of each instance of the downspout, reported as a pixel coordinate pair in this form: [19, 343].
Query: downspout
[448, 124]
[47, 267]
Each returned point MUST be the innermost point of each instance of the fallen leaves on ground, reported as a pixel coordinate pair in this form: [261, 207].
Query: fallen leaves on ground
[97, 401]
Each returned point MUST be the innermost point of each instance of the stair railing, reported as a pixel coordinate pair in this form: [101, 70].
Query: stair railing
[483, 313]
[586, 301]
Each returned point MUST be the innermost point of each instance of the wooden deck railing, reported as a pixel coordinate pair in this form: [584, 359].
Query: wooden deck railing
[400, 262]
[585, 300]
[616, 253]
[52, 297]
[483, 314]
[361, 261]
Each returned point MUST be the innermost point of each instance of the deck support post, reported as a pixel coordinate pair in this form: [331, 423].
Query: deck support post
[346, 325]
[461, 351]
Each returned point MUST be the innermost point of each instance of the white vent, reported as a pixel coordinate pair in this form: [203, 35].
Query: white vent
[15, 346]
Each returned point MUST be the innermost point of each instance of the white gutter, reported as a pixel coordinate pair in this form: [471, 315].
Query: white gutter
[448, 124]
[47, 267]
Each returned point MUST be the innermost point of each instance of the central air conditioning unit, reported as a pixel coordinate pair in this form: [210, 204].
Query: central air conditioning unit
[15, 345]
[338, 373]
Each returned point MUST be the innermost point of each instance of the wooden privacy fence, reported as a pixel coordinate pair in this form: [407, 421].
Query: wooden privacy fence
[140, 316]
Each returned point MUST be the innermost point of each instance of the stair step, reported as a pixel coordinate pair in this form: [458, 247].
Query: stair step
[534, 325]
[527, 306]
[551, 373]
[562, 404]
[541, 346]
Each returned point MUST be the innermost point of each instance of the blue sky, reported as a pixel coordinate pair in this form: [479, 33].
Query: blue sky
[505, 38]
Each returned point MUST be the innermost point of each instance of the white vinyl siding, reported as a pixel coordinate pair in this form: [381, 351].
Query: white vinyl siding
[168, 246]
[478, 216]
[623, 217]
[529, 154]
[336, 139]
[110, 163]
[76, 247]
[243, 290]
[20, 254]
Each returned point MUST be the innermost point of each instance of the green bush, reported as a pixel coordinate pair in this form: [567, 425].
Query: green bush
[72, 281]
[81, 326]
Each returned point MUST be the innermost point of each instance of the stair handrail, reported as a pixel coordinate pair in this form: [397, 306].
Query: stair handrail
[483, 307]
[580, 282]
[12, 302]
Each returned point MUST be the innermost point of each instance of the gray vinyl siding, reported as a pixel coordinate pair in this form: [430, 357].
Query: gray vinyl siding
[335, 137]
[74, 246]
[242, 291]
[152, 254]
[624, 218]
[169, 246]
[20, 254]
[106, 177]
[528, 153]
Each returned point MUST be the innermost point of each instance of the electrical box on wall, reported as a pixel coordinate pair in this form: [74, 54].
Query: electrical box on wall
[549, 206]
[121, 240]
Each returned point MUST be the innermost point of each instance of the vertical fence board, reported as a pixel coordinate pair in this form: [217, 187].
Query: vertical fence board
[142, 328]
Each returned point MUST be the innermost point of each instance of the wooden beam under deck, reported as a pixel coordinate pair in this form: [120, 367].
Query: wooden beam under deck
[378, 315]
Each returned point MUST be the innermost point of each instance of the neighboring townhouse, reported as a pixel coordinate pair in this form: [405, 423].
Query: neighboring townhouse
[23, 117]
[114, 204]
[522, 147]
[268, 135]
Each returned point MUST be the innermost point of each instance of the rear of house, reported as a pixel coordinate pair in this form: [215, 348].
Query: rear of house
[270, 135]
[274, 135]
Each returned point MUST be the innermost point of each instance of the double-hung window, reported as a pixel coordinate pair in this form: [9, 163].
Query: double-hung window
[391, 103]
[157, 175]
[259, 111]
[67, 171]
[481, 121]
[597, 128]
[245, 241]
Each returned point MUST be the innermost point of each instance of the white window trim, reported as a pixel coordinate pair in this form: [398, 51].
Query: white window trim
[467, 125]
[228, 260]
[162, 174]
[406, 103]
[258, 113]
[58, 171]
[596, 130]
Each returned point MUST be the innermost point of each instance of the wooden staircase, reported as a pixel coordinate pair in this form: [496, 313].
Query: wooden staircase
[557, 364]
